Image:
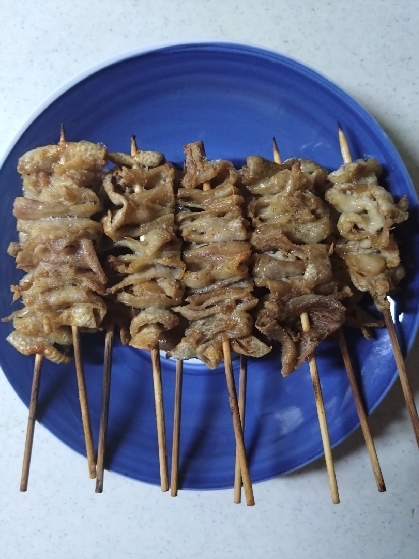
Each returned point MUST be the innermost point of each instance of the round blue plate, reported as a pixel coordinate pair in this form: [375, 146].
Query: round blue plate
[235, 98]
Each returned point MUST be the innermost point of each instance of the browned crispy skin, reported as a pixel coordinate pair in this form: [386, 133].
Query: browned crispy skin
[289, 221]
[367, 214]
[146, 266]
[57, 247]
[280, 320]
[217, 254]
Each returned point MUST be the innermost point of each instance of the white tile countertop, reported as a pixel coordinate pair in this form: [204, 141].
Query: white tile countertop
[370, 49]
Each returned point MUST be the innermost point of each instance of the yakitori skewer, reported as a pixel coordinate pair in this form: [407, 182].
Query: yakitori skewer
[56, 356]
[219, 294]
[318, 396]
[407, 392]
[358, 400]
[237, 424]
[158, 395]
[142, 220]
[87, 429]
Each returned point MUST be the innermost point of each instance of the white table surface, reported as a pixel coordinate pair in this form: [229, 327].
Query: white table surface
[371, 49]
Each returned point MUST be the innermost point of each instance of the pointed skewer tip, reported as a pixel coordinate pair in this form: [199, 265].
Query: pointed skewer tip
[344, 148]
[62, 139]
[134, 147]
[275, 149]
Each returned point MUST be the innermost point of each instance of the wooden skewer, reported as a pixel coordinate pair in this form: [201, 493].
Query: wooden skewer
[242, 407]
[275, 149]
[161, 434]
[106, 391]
[344, 148]
[318, 396]
[407, 392]
[238, 431]
[134, 147]
[361, 412]
[34, 400]
[351, 374]
[62, 139]
[31, 423]
[176, 429]
[321, 414]
[158, 396]
[87, 429]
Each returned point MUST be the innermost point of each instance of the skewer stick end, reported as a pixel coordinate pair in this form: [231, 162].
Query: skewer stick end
[275, 149]
[92, 473]
[344, 148]
[134, 147]
[62, 139]
[381, 487]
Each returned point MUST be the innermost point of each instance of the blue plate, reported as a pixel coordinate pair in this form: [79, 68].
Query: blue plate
[234, 98]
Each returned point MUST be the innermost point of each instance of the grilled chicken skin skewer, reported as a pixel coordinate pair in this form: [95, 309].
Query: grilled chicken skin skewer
[368, 213]
[64, 282]
[218, 296]
[283, 208]
[146, 264]
[215, 295]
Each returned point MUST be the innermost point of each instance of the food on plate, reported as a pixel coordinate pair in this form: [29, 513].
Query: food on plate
[163, 231]
[216, 254]
[64, 283]
[290, 265]
[367, 215]
[145, 256]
